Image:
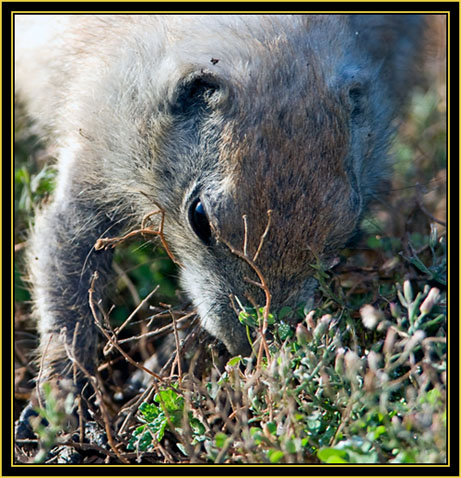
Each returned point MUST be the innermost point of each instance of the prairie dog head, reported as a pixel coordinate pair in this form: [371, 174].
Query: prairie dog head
[282, 120]
[218, 120]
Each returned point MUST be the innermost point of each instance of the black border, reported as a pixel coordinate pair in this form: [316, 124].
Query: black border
[205, 470]
[237, 6]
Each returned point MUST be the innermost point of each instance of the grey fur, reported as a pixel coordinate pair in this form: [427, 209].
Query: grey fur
[295, 116]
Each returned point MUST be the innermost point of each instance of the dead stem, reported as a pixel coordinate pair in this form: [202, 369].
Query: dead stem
[159, 332]
[109, 347]
[128, 358]
[419, 201]
[262, 285]
[178, 348]
[96, 387]
[81, 427]
[128, 282]
[132, 409]
[109, 338]
[245, 234]
[262, 282]
[261, 240]
[344, 419]
[106, 242]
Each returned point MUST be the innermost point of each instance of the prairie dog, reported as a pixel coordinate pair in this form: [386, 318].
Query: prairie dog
[210, 119]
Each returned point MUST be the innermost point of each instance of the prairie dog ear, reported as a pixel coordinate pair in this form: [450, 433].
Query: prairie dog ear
[197, 92]
[393, 41]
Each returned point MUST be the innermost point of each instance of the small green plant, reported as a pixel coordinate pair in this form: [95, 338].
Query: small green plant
[166, 413]
[167, 410]
[32, 188]
[436, 270]
[393, 386]
[51, 420]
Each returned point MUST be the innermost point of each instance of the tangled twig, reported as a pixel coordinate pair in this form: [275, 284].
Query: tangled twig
[93, 380]
[262, 284]
[106, 242]
[108, 336]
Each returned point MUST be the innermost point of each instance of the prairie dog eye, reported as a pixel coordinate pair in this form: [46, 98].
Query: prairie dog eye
[199, 221]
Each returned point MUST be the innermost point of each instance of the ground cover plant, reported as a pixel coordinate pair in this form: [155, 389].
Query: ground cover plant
[359, 376]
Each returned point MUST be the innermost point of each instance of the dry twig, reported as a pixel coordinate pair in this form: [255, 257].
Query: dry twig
[106, 242]
[108, 336]
[262, 284]
[96, 387]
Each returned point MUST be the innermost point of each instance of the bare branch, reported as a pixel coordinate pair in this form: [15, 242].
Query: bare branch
[106, 242]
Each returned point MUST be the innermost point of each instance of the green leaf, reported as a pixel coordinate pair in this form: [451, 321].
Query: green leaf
[284, 331]
[332, 455]
[314, 425]
[406, 456]
[169, 400]
[374, 242]
[22, 176]
[248, 319]
[145, 441]
[220, 439]
[271, 428]
[182, 449]
[197, 426]
[358, 457]
[149, 411]
[284, 311]
[433, 397]
[275, 455]
[159, 428]
[234, 361]
[290, 446]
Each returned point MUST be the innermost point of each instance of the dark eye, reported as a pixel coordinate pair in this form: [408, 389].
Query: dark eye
[199, 221]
